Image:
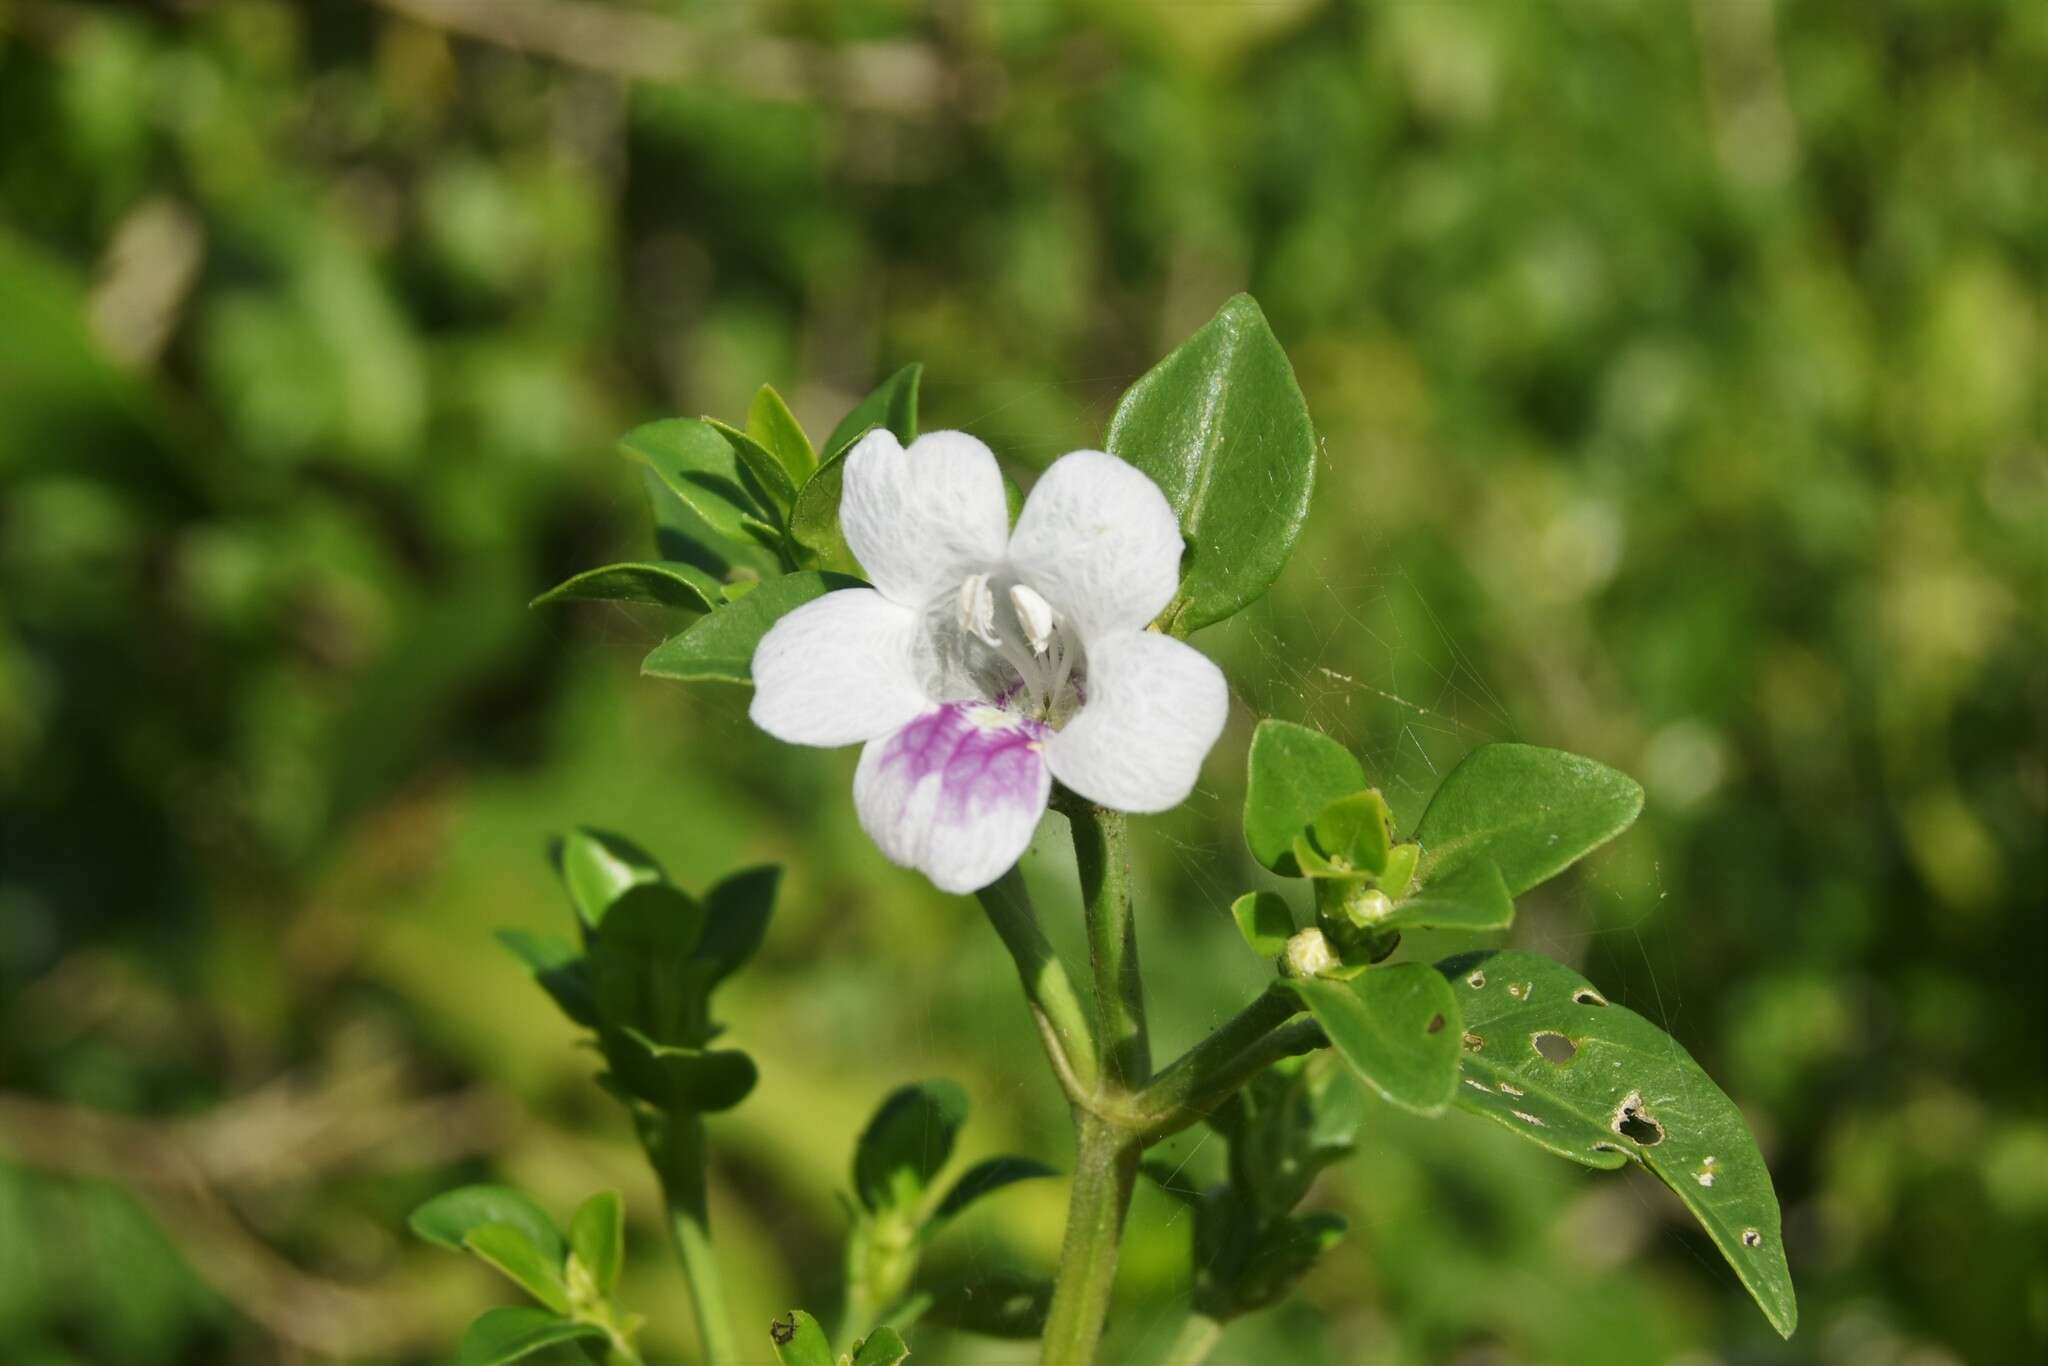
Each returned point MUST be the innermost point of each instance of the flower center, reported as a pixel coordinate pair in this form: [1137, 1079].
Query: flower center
[1032, 662]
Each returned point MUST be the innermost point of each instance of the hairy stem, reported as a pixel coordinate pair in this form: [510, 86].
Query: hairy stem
[1100, 850]
[1196, 1340]
[678, 1152]
[1289, 1040]
[1055, 1006]
[1105, 1173]
[1194, 1072]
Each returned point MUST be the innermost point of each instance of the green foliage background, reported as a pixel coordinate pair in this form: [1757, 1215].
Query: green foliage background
[1680, 374]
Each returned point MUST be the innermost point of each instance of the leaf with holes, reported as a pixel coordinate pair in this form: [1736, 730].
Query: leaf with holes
[501, 1336]
[1548, 1057]
[1291, 774]
[799, 1341]
[1534, 812]
[1222, 428]
[720, 648]
[1398, 1028]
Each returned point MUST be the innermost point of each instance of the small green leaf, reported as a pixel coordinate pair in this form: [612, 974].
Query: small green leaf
[507, 1248]
[1001, 1304]
[1398, 1028]
[560, 970]
[799, 1341]
[681, 535]
[1265, 921]
[637, 963]
[814, 521]
[720, 648]
[758, 461]
[893, 404]
[770, 422]
[1352, 832]
[597, 1238]
[736, 914]
[505, 1335]
[1534, 812]
[983, 1178]
[676, 1076]
[449, 1217]
[1293, 772]
[669, 583]
[1469, 896]
[1221, 427]
[883, 1347]
[699, 466]
[598, 867]
[1547, 1056]
[906, 1143]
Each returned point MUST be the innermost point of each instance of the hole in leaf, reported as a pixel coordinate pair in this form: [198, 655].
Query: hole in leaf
[782, 1332]
[1435, 1025]
[1476, 980]
[1751, 1238]
[1633, 1122]
[1509, 1090]
[1474, 1042]
[1554, 1047]
[1520, 990]
[1605, 1148]
[1528, 1118]
[1586, 996]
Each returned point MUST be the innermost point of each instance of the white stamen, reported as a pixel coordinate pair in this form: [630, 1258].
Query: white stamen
[978, 608]
[1036, 616]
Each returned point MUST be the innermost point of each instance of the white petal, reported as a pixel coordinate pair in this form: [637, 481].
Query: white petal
[837, 671]
[1154, 707]
[956, 793]
[921, 519]
[1098, 539]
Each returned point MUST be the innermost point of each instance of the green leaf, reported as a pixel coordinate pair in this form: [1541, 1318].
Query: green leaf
[670, 583]
[1221, 427]
[700, 467]
[508, 1248]
[1470, 896]
[1265, 921]
[814, 521]
[560, 970]
[1398, 1028]
[883, 1347]
[637, 964]
[893, 404]
[983, 1178]
[1293, 772]
[598, 867]
[759, 462]
[1001, 1304]
[1352, 832]
[720, 648]
[799, 1341]
[736, 914]
[681, 535]
[1534, 812]
[770, 422]
[503, 1335]
[597, 1238]
[1547, 1056]
[677, 1076]
[448, 1218]
[906, 1144]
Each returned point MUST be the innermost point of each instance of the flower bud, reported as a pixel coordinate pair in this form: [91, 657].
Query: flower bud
[1308, 954]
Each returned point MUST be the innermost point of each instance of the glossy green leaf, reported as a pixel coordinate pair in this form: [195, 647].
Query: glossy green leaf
[1352, 833]
[1221, 427]
[669, 583]
[883, 1347]
[1265, 921]
[983, 1178]
[509, 1249]
[681, 535]
[597, 1239]
[799, 1341]
[736, 915]
[1398, 1028]
[449, 1218]
[1534, 812]
[1293, 772]
[770, 422]
[1000, 1304]
[1469, 896]
[814, 521]
[760, 463]
[906, 1143]
[504, 1335]
[1547, 1056]
[893, 404]
[559, 968]
[699, 466]
[720, 648]
[637, 964]
[598, 867]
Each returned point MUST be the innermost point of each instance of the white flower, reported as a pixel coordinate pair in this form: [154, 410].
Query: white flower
[985, 663]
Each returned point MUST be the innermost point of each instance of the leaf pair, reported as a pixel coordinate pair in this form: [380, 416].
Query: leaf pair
[573, 1279]
[799, 1341]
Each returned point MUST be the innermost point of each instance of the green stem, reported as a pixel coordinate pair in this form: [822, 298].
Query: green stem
[678, 1153]
[1193, 1073]
[1197, 1339]
[1100, 850]
[1289, 1040]
[1105, 1173]
[1055, 1006]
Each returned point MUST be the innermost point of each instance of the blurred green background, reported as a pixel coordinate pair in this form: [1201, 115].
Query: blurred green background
[1680, 372]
